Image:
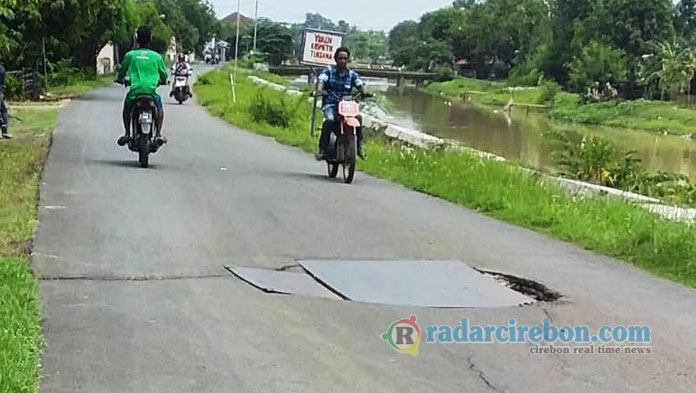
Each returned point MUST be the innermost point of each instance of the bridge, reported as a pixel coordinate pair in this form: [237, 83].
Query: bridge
[400, 76]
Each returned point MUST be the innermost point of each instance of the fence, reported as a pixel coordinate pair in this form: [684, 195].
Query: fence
[26, 84]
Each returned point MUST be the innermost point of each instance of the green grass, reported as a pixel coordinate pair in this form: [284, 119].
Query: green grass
[20, 166]
[80, 86]
[484, 92]
[657, 116]
[20, 332]
[654, 116]
[608, 226]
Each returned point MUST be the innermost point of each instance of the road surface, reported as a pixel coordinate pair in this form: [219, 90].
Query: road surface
[136, 297]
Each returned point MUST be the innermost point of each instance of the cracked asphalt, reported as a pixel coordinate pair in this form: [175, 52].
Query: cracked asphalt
[136, 297]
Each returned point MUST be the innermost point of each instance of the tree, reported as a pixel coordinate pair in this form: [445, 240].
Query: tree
[677, 65]
[367, 45]
[317, 21]
[81, 27]
[598, 63]
[9, 21]
[185, 32]
[632, 24]
[276, 40]
[16, 16]
[566, 15]
[200, 14]
[423, 54]
[626, 24]
[400, 33]
[343, 26]
[685, 20]
[463, 3]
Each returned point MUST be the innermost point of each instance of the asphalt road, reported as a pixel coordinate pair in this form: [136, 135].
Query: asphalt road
[136, 297]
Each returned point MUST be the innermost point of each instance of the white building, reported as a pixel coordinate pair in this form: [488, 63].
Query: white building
[106, 59]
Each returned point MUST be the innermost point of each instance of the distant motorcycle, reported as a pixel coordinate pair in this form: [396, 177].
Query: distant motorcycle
[181, 91]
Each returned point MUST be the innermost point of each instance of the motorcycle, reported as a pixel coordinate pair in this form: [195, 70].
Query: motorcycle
[343, 144]
[143, 128]
[181, 89]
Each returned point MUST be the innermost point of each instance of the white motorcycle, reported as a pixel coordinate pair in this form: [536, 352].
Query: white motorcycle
[181, 91]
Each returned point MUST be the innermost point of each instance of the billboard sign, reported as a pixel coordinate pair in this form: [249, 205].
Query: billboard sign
[318, 47]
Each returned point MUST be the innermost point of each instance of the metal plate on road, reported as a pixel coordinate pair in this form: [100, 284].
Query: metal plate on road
[282, 282]
[413, 283]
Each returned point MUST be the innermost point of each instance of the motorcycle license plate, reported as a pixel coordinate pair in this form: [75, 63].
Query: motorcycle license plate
[146, 117]
[348, 108]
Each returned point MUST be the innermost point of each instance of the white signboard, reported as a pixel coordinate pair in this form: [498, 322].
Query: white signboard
[318, 47]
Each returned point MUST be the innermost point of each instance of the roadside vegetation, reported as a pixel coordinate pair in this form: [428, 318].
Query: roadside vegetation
[608, 226]
[21, 160]
[598, 160]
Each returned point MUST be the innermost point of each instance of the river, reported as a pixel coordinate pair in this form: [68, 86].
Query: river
[520, 136]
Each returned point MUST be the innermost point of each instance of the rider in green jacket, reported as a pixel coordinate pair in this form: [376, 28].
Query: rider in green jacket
[146, 71]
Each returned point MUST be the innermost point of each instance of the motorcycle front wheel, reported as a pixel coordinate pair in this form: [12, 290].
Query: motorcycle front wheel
[349, 162]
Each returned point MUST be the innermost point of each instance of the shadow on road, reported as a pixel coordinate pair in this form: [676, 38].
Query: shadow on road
[122, 163]
[306, 175]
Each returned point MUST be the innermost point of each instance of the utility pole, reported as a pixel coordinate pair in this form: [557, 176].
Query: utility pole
[43, 46]
[236, 44]
[256, 23]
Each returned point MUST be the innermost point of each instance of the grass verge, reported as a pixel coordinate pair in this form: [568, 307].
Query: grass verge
[608, 226]
[81, 86]
[20, 335]
[656, 116]
[20, 166]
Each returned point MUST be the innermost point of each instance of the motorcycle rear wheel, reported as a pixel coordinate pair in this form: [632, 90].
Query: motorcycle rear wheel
[144, 152]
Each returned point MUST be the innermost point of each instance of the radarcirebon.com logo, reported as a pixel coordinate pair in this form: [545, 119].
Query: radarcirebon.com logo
[404, 335]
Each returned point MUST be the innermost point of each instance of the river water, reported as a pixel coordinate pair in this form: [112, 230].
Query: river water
[519, 137]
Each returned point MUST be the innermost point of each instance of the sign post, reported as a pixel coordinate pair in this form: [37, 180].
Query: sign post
[318, 48]
[314, 104]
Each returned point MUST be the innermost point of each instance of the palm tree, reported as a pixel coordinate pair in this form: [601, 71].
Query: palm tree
[677, 67]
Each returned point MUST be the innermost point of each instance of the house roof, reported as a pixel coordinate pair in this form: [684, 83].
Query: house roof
[243, 20]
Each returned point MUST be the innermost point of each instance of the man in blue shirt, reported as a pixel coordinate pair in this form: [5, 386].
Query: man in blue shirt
[337, 82]
[4, 116]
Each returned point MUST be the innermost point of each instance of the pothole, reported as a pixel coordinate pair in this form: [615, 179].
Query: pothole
[437, 284]
[533, 289]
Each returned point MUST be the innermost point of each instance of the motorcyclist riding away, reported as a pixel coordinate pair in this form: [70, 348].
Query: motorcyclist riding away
[181, 68]
[146, 70]
[335, 83]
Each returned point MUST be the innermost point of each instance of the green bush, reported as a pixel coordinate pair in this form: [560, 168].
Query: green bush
[597, 160]
[522, 76]
[444, 74]
[548, 91]
[14, 87]
[271, 109]
[203, 79]
[64, 74]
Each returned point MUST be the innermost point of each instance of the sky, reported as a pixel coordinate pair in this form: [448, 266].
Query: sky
[366, 14]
